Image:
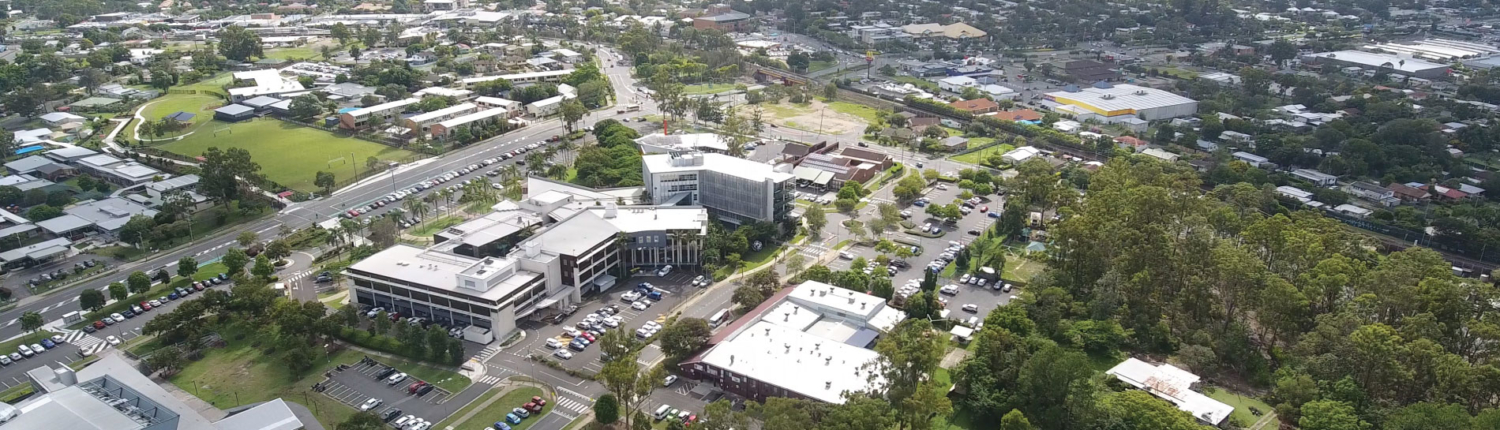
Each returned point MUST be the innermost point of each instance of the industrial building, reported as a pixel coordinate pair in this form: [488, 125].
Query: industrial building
[1389, 63]
[733, 189]
[1120, 103]
[810, 342]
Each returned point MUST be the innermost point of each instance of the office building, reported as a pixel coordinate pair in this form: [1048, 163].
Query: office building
[527, 259]
[811, 342]
[733, 189]
[111, 394]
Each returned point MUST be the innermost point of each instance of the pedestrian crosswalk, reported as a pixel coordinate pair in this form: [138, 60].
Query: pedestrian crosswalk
[90, 345]
[570, 408]
[486, 353]
[813, 250]
[490, 379]
[73, 336]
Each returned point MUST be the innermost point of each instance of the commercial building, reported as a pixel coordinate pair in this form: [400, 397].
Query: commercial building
[119, 172]
[721, 17]
[36, 253]
[103, 217]
[955, 31]
[111, 394]
[733, 189]
[1373, 62]
[1173, 385]
[1442, 50]
[811, 342]
[526, 259]
[832, 171]
[1121, 103]
[377, 114]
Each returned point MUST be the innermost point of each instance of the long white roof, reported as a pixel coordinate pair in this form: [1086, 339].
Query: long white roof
[1122, 97]
[440, 113]
[383, 107]
[476, 116]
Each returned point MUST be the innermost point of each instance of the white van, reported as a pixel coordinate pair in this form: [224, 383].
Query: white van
[661, 412]
[664, 270]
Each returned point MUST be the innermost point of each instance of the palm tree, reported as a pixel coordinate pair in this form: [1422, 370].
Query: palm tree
[622, 240]
[417, 207]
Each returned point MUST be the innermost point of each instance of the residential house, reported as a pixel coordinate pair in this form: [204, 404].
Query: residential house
[976, 106]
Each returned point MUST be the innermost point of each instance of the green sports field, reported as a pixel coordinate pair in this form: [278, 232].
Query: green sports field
[289, 154]
[200, 105]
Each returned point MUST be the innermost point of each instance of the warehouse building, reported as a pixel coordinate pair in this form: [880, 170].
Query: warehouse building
[1381, 62]
[1120, 103]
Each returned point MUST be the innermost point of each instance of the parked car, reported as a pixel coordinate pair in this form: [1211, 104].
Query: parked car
[369, 404]
[563, 354]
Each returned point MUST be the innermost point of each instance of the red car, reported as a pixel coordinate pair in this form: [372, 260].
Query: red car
[539, 401]
[415, 386]
[99, 325]
[198, 286]
[984, 208]
[146, 306]
[532, 407]
[588, 336]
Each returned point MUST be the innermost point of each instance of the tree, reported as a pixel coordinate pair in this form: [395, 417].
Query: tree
[1140, 410]
[239, 44]
[221, 172]
[816, 218]
[90, 79]
[31, 322]
[235, 260]
[572, 112]
[117, 291]
[1015, 420]
[747, 297]
[370, 36]
[366, 420]
[247, 238]
[187, 266]
[382, 324]
[278, 249]
[166, 360]
[43, 212]
[305, 107]
[908, 356]
[607, 409]
[138, 282]
[341, 32]
[137, 230]
[830, 91]
[622, 377]
[326, 181]
[91, 299]
[684, 337]
[1330, 415]
[263, 268]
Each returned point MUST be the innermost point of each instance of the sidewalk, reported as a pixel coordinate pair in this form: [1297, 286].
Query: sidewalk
[382, 175]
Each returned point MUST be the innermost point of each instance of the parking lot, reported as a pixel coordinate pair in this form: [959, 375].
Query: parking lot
[674, 287]
[984, 299]
[357, 384]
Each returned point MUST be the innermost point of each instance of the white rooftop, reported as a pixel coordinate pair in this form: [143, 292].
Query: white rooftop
[1173, 385]
[267, 81]
[1374, 60]
[383, 107]
[746, 169]
[434, 269]
[1122, 97]
[440, 113]
[812, 366]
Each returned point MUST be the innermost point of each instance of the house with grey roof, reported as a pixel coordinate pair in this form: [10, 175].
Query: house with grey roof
[103, 217]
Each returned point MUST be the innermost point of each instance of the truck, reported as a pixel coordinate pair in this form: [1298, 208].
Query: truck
[629, 108]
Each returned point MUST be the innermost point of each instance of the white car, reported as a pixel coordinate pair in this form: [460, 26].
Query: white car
[369, 404]
[552, 343]
[396, 379]
[563, 354]
[949, 289]
[971, 308]
[671, 379]
[26, 350]
[117, 317]
[571, 332]
[630, 296]
[112, 340]
[613, 322]
[640, 305]
[964, 279]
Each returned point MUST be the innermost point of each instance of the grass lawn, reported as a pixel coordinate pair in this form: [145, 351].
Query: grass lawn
[1020, 268]
[428, 227]
[978, 157]
[497, 410]
[1179, 74]
[214, 84]
[785, 110]
[28, 339]
[241, 374]
[863, 112]
[305, 52]
[200, 105]
[820, 65]
[1241, 403]
[289, 154]
[696, 89]
[121, 253]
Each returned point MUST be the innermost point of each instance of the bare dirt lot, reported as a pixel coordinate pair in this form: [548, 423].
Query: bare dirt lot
[816, 116]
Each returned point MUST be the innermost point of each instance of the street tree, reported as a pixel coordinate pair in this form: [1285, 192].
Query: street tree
[572, 112]
[684, 337]
[326, 181]
[263, 268]
[91, 299]
[31, 322]
[117, 291]
[816, 218]
[138, 282]
[607, 409]
[235, 260]
[187, 266]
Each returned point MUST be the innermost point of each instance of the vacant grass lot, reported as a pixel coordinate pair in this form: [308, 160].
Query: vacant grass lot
[1241, 403]
[242, 374]
[696, 89]
[863, 112]
[978, 157]
[288, 153]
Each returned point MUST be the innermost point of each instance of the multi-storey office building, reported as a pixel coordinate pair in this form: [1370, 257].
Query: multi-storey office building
[733, 189]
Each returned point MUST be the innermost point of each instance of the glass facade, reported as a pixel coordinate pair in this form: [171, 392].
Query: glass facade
[735, 196]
